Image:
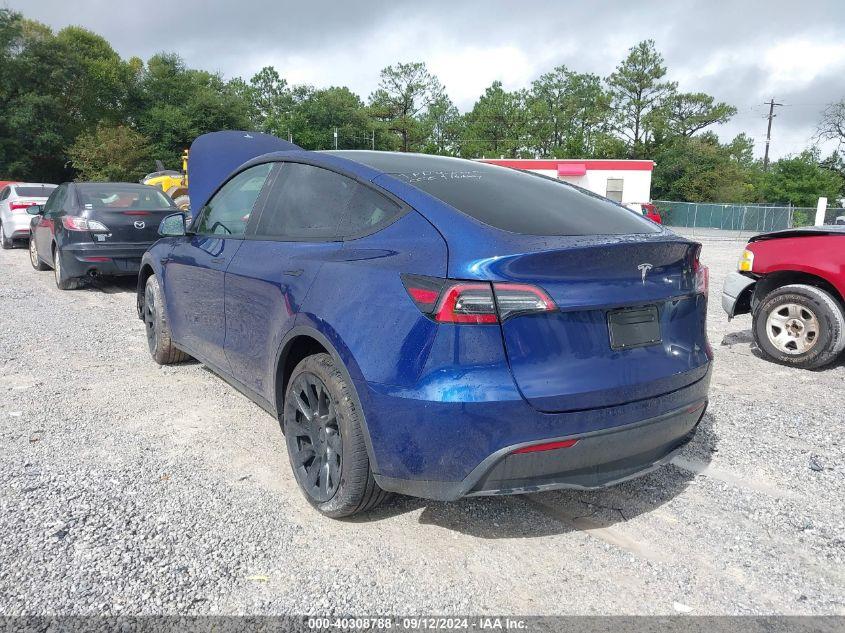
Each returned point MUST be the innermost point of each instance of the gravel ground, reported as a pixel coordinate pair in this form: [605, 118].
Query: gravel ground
[126, 488]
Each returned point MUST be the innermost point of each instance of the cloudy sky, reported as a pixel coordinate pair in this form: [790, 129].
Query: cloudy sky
[741, 52]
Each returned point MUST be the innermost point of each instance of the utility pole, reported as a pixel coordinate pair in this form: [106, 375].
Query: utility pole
[374, 140]
[335, 138]
[772, 115]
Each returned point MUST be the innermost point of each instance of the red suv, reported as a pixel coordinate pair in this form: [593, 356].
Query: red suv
[792, 282]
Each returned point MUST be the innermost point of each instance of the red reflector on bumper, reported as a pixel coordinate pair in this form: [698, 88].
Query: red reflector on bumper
[96, 259]
[549, 446]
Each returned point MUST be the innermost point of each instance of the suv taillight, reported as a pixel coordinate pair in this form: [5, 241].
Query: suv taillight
[474, 302]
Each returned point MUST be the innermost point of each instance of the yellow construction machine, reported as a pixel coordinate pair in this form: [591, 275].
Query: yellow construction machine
[173, 183]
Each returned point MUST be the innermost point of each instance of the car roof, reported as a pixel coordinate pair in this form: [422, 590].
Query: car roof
[32, 184]
[402, 162]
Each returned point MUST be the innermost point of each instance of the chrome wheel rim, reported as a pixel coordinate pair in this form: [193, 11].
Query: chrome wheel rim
[33, 252]
[57, 266]
[792, 329]
[313, 437]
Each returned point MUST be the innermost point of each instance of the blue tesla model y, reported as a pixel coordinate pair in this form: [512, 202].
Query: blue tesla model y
[431, 326]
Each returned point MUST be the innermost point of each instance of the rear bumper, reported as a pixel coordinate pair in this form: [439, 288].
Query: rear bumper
[445, 449]
[736, 294]
[16, 225]
[103, 259]
[598, 460]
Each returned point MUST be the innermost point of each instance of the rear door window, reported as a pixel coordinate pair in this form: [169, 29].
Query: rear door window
[305, 203]
[229, 210]
[312, 203]
[522, 202]
[367, 210]
[55, 203]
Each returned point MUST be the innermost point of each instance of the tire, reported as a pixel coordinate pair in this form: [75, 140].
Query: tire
[5, 242]
[63, 282]
[800, 326]
[183, 202]
[325, 435]
[158, 331]
[34, 259]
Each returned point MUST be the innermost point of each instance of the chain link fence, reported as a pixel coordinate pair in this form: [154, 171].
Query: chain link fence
[741, 218]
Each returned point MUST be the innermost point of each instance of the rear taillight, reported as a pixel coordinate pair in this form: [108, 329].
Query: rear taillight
[76, 223]
[467, 303]
[474, 302]
[20, 206]
[702, 275]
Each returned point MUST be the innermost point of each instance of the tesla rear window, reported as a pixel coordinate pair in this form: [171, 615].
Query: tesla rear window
[522, 202]
[108, 196]
[34, 192]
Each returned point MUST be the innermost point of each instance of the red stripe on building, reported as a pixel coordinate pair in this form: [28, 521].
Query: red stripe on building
[563, 165]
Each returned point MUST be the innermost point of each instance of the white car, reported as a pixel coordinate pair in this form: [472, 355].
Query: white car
[15, 199]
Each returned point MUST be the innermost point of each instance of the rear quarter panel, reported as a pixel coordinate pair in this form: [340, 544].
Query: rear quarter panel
[359, 303]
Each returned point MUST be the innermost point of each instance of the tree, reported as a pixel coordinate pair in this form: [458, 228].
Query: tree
[568, 112]
[404, 95]
[111, 153]
[176, 104]
[690, 112]
[54, 87]
[321, 111]
[801, 180]
[832, 125]
[700, 169]
[496, 124]
[638, 95]
[443, 126]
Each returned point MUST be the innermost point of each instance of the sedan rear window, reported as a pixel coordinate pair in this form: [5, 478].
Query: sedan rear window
[35, 192]
[110, 196]
[522, 202]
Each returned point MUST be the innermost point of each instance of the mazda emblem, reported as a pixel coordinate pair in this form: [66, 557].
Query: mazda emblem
[139, 224]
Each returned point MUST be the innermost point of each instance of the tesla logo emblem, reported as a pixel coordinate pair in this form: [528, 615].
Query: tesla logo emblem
[140, 225]
[644, 268]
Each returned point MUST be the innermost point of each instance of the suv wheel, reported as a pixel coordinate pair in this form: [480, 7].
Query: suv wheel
[325, 438]
[800, 325]
[158, 332]
[63, 282]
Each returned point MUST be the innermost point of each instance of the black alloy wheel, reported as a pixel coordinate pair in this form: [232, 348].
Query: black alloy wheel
[313, 438]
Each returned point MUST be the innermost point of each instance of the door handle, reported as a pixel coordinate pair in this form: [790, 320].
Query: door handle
[293, 273]
[217, 260]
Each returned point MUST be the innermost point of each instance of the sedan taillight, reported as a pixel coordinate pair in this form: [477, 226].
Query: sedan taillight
[77, 223]
[474, 302]
[20, 206]
[702, 275]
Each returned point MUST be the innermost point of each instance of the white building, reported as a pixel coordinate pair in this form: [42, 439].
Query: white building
[626, 181]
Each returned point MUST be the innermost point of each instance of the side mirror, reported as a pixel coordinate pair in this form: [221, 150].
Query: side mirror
[172, 225]
[36, 209]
